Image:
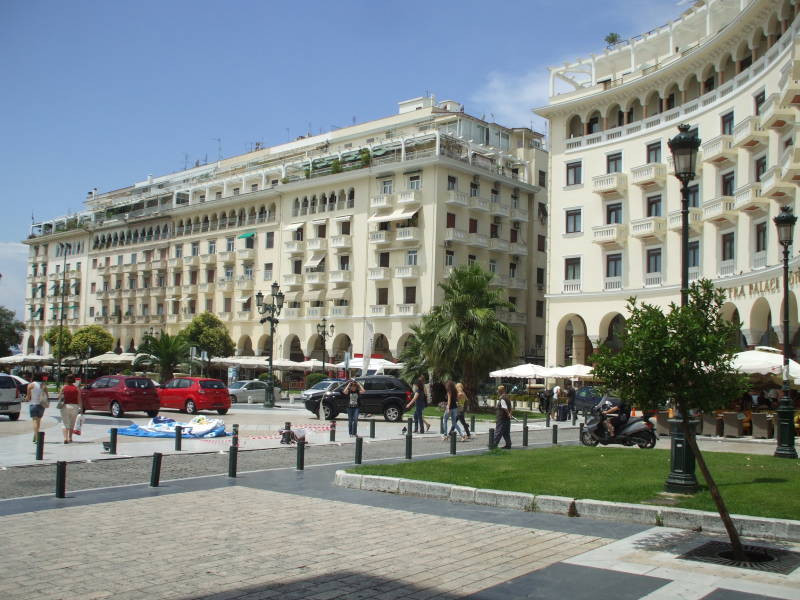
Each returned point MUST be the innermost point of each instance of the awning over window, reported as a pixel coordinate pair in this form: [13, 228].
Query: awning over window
[339, 293]
[319, 221]
[314, 261]
[243, 299]
[243, 236]
[293, 227]
[313, 295]
[292, 296]
[397, 215]
[344, 218]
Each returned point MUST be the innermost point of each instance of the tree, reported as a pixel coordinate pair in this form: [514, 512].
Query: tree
[208, 334]
[10, 331]
[60, 340]
[413, 356]
[684, 356]
[163, 353]
[94, 337]
[612, 39]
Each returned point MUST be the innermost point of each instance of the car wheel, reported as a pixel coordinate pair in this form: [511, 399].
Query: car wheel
[222, 411]
[191, 407]
[13, 416]
[587, 439]
[392, 413]
[233, 399]
[116, 410]
[328, 412]
[151, 413]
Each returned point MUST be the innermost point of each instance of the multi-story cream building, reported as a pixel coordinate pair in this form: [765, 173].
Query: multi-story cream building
[356, 225]
[731, 70]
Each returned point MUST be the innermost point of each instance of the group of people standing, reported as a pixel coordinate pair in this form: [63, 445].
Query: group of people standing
[454, 408]
[69, 403]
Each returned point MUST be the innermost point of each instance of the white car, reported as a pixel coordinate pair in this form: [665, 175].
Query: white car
[251, 392]
[10, 397]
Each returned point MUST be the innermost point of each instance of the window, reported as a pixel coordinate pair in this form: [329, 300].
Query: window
[542, 178]
[449, 258]
[494, 230]
[267, 271]
[654, 206]
[133, 259]
[344, 227]
[694, 196]
[574, 221]
[212, 247]
[229, 244]
[761, 236]
[513, 236]
[760, 167]
[474, 190]
[654, 152]
[471, 259]
[614, 265]
[541, 243]
[614, 163]
[539, 276]
[728, 246]
[614, 213]
[512, 300]
[250, 242]
[694, 253]
[410, 295]
[726, 124]
[195, 249]
[572, 269]
[297, 267]
[451, 182]
[759, 100]
[540, 308]
[451, 221]
[382, 298]
[383, 259]
[386, 186]
[492, 265]
[494, 196]
[574, 176]
[728, 183]
[235, 191]
[415, 182]
[178, 251]
[473, 225]
[654, 260]
[411, 258]
[226, 304]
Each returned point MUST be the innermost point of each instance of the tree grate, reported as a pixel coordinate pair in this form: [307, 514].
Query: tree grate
[771, 560]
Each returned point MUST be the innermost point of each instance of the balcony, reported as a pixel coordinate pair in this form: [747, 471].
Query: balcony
[478, 203]
[341, 242]
[407, 234]
[379, 310]
[379, 237]
[101, 294]
[499, 281]
[790, 164]
[571, 286]
[246, 254]
[611, 184]
[727, 268]
[174, 318]
[652, 279]
[519, 214]
[517, 283]
[244, 315]
[225, 316]
[409, 198]
[156, 291]
[208, 259]
[294, 246]
[749, 135]
[478, 240]
[719, 151]
[773, 185]
[175, 261]
[406, 309]
[612, 284]
[191, 261]
[245, 283]
[512, 317]
[340, 276]
[455, 235]
[695, 220]
[457, 198]
[748, 199]
[720, 211]
[225, 284]
[340, 311]
[760, 259]
[499, 210]
[226, 257]
[292, 313]
[316, 278]
[381, 201]
[206, 287]
[518, 248]
[317, 244]
[189, 288]
[131, 267]
[406, 272]
[649, 227]
[292, 280]
[101, 319]
[613, 234]
[378, 273]
[315, 312]
[649, 175]
[775, 115]
[499, 245]
[158, 264]
[172, 290]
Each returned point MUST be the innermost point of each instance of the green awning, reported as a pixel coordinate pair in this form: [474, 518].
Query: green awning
[246, 235]
[350, 156]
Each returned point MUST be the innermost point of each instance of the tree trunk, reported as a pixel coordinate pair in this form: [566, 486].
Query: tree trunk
[733, 535]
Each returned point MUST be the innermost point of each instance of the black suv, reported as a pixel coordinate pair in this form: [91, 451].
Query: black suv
[587, 397]
[382, 394]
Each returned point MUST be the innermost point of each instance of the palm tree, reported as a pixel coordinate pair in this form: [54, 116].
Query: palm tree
[164, 352]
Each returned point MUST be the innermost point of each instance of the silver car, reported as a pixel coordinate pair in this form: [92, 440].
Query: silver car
[250, 392]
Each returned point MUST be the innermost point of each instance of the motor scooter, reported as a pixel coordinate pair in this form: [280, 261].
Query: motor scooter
[635, 431]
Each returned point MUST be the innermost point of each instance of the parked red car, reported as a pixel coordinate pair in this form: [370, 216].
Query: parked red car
[190, 394]
[119, 394]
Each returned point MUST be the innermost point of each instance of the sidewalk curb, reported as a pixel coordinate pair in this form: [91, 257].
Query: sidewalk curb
[643, 514]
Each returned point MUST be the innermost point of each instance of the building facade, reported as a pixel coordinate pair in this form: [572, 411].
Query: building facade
[728, 69]
[356, 225]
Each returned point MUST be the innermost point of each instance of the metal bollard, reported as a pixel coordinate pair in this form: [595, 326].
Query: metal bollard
[524, 430]
[547, 420]
[61, 479]
[441, 425]
[301, 455]
[112, 442]
[452, 442]
[555, 434]
[233, 458]
[359, 449]
[332, 436]
[580, 432]
[286, 436]
[178, 437]
[155, 471]
[40, 445]
[472, 423]
[491, 438]
[410, 426]
[372, 428]
[235, 438]
[408, 445]
[574, 417]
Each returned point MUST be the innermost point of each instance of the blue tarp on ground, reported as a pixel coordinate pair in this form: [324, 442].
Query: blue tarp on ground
[162, 427]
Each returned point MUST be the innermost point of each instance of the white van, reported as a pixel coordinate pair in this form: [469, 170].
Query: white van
[10, 397]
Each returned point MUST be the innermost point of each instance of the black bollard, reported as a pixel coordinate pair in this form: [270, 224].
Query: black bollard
[286, 436]
[112, 443]
[408, 445]
[178, 437]
[452, 442]
[332, 435]
[61, 479]
[555, 434]
[155, 471]
[524, 430]
[233, 458]
[580, 431]
[372, 428]
[359, 449]
[301, 455]
[491, 438]
[410, 426]
[472, 423]
[441, 425]
[235, 438]
[40, 445]
[574, 417]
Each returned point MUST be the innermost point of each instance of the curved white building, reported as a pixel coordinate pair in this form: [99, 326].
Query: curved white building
[728, 68]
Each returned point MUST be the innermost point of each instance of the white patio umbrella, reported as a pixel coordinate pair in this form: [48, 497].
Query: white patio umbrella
[311, 364]
[112, 358]
[378, 364]
[572, 372]
[525, 371]
[15, 359]
[764, 361]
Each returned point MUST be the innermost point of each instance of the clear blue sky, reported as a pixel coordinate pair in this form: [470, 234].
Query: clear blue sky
[103, 93]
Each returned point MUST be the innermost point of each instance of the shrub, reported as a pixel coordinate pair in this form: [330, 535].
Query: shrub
[314, 378]
[265, 377]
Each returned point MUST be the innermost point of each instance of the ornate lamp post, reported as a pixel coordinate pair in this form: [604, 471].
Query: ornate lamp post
[324, 333]
[271, 310]
[683, 147]
[785, 223]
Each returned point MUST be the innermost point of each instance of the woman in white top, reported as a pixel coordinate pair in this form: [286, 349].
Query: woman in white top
[36, 395]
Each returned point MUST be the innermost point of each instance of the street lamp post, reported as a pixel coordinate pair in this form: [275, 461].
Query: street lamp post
[324, 333]
[785, 223]
[65, 246]
[271, 310]
[683, 147]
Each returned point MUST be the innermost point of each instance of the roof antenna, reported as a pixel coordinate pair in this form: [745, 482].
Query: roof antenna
[219, 148]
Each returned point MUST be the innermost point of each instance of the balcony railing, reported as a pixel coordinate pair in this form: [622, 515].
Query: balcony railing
[610, 184]
[455, 235]
[518, 248]
[499, 210]
[406, 272]
[478, 240]
[760, 259]
[315, 312]
[720, 210]
[519, 214]
[612, 284]
[294, 246]
[613, 233]
[652, 279]
[571, 286]
[517, 283]
[695, 220]
[292, 313]
[649, 175]
[478, 203]
[719, 151]
[341, 276]
[775, 115]
[316, 244]
[377, 273]
[499, 245]
[749, 134]
[727, 268]
[456, 197]
[340, 311]
[379, 310]
[292, 280]
[316, 277]
[380, 201]
[379, 237]
[749, 199]
[409, 197]
[406, 309]
[341, 241]
[407, 234]
[649, 227]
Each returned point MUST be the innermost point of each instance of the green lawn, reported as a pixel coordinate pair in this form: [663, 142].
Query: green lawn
[750, 484]
[436, 412]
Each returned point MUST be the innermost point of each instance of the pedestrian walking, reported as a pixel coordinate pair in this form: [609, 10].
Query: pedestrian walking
[352, 392]
[36, 395]
[70, 404]
[570, 390]
[419, 402]
[461, 399]
[451, 410]
[502, 426]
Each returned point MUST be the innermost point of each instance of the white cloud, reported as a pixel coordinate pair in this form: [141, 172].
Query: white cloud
[13, 267]
[511, 97]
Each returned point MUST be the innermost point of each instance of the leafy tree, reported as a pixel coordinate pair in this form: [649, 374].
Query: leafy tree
[94, 337]
[613, 39]
[162, 353]
[60, 340]
[313, 378]
[208, 334]
[10, 331]
[684, 356]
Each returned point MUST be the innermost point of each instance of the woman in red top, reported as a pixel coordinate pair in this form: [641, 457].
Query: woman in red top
[70, 404]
